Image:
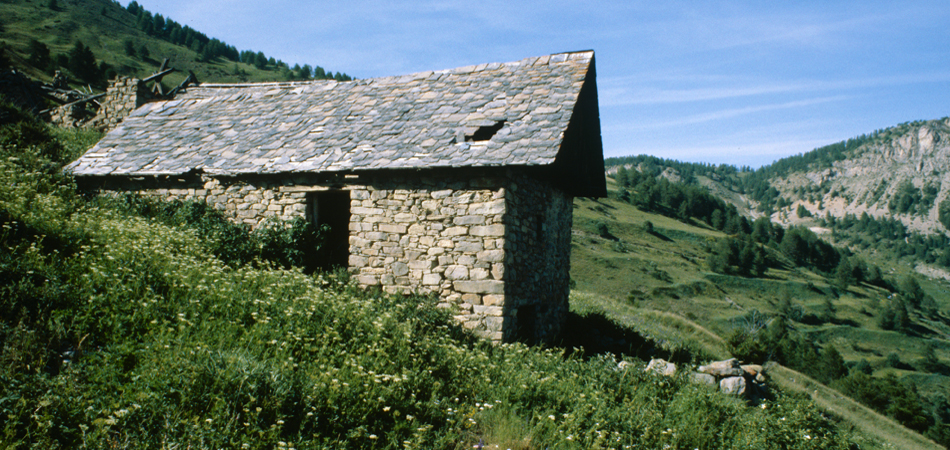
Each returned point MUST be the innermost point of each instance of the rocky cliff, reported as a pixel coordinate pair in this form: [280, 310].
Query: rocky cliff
[902, 172]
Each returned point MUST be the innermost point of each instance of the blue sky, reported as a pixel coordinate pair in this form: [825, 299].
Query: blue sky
[741, 83]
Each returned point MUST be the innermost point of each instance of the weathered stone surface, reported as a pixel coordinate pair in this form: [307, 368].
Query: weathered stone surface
[492, 238]
[752, 369]
[726, 368]
[480, 287]
[456, 272]
[328, 126]
[400, 269]
[487, 230]
[702, 378]
[661, 367]
[732, 386]
[431, 279]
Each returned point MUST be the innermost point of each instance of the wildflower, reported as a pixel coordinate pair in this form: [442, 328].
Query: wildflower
[372, 436]
[551, 417]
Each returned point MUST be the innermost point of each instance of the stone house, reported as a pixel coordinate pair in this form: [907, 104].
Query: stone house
[457, 182]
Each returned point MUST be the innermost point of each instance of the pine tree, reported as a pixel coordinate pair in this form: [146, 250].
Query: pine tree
[39, 55]
[82, 63]
[832, 364]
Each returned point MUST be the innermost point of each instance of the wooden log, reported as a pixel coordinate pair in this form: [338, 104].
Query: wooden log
[158, 76]
[82, 100]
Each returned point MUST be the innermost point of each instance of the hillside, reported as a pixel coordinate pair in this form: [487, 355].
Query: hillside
[126, 323]
[40, 36]
[658, 282]
[651, 254]
[900, 173]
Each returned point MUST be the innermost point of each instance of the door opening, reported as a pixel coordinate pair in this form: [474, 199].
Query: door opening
[332, 208]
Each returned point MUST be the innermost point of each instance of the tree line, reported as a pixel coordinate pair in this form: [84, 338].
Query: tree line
[210, 49]
[81, 62]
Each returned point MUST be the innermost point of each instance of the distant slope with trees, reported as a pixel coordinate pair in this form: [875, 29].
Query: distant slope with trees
[95, 40]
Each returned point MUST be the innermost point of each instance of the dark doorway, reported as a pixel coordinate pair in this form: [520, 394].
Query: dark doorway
[527, 321]
[332, 208]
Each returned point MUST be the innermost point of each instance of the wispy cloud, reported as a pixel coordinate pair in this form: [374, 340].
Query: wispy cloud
[720, 114]
[626, 90]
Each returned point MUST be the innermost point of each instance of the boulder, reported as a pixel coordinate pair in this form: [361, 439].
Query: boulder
[727, 368]
[661, 367]
[702, 378]
[752, 369]
[732, 386]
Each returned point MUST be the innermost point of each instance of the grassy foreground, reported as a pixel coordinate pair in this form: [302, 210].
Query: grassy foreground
[120, 331]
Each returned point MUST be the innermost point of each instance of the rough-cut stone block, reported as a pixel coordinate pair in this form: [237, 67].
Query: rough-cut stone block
[469, 220]
[498, 271]
[400, 269]
[417, 229]
[496, 311]
[368, 280]
[431, 279]
[455, 231]
[422, 264]
[376, 236]
[487, 230]
[495, 324]
[493, 300]
[456, 272]
[405, 217]
[389, 228]
[480, 287]
[732, 386]
[357, 261]
[493, 207]
[367, 211]
[491, 256]
[468, 246]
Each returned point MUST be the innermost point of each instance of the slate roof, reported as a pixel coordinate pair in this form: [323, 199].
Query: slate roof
[411, 121]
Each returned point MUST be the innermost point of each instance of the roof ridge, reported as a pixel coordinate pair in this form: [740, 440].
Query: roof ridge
[421, 74]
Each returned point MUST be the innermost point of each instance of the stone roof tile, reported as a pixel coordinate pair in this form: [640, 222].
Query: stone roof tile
[415, 120]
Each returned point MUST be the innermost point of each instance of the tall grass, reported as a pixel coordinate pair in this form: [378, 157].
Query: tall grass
[121, 331]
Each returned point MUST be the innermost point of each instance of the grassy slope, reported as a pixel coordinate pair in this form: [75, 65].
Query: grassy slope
[105, 34]
[118, 331]
[685, 304]
[861, 417]
[668, 268]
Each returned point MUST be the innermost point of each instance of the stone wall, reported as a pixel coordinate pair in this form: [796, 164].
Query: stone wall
[538, 258]
[122, 97]
[444, 237]
[494, 245]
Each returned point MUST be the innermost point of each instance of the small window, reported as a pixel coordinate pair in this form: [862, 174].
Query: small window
[484, 133]
[332, 208]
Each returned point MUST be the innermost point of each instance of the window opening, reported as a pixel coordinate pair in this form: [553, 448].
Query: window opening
[484, 133]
